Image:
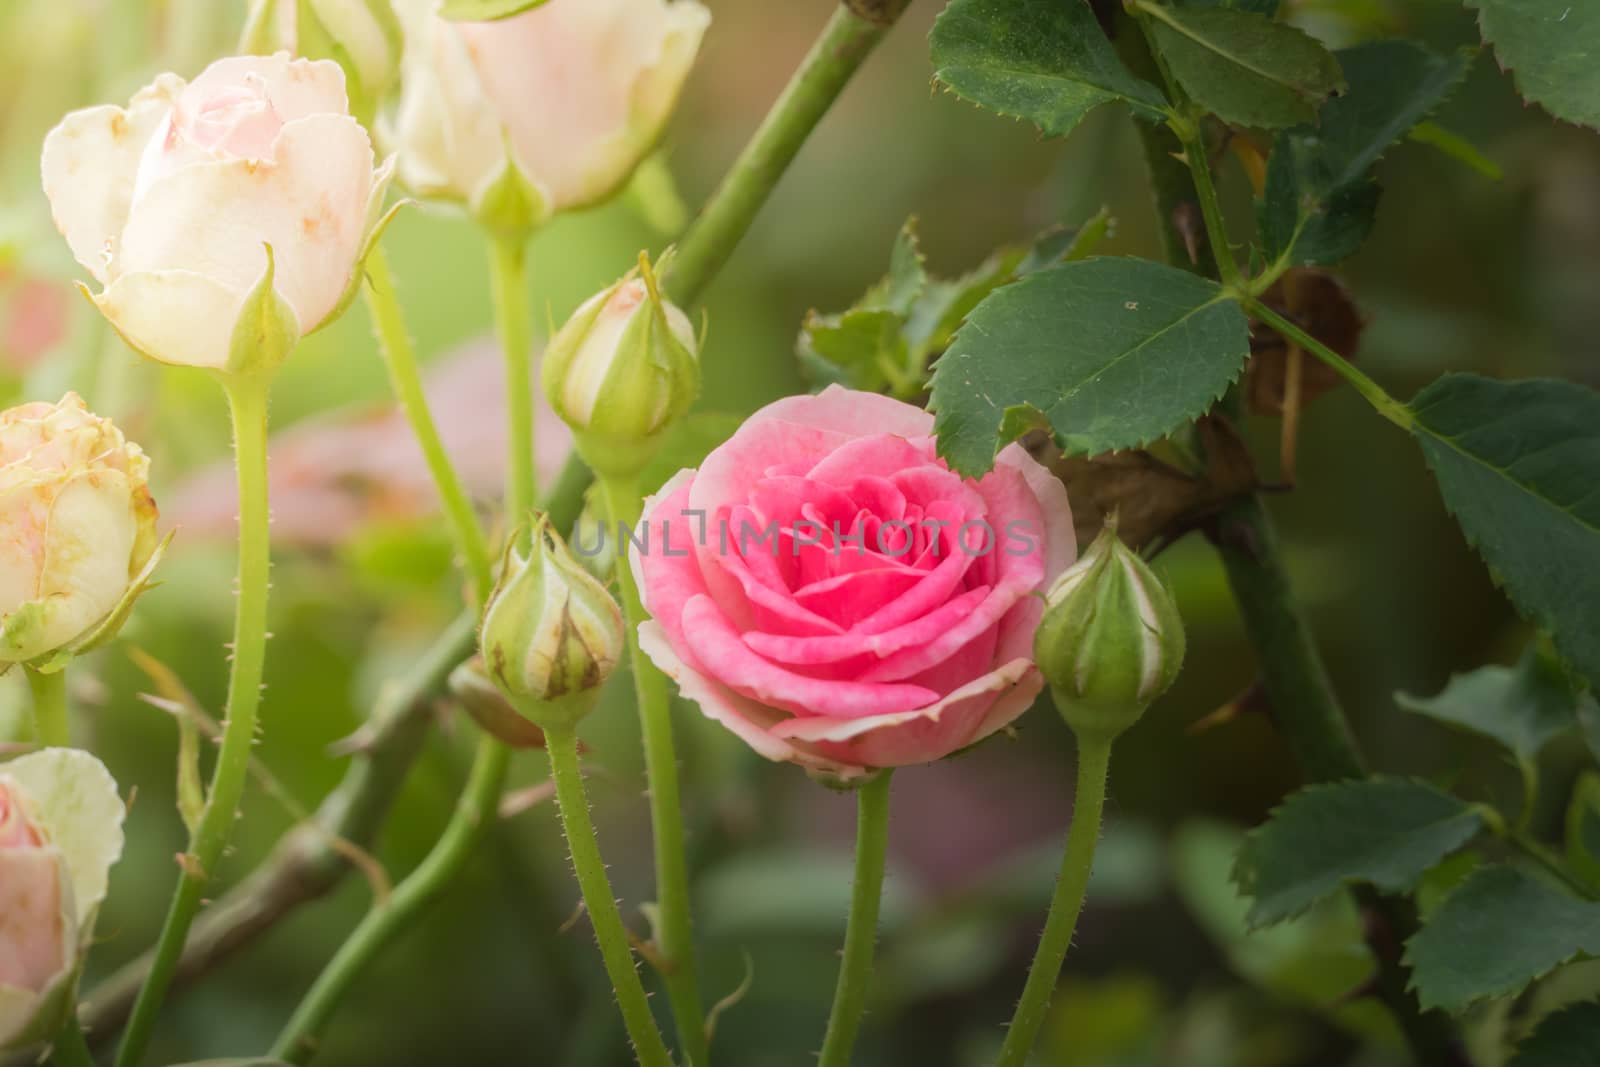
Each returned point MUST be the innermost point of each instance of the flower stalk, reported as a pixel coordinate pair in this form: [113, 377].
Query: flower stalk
[676, 934]
[247, 404]
[50, 720]
[861, 929]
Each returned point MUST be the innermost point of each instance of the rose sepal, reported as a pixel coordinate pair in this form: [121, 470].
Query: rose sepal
[378, 221]
[509, 204]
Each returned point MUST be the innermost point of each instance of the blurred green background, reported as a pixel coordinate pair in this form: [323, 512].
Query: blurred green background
[1463, 271]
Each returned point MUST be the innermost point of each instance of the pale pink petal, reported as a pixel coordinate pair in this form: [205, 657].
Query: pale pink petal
[849, 413]
[35, 934]
[1059, 539]
[89, 167]
[174, 316]
[310, 205]
[297, 88]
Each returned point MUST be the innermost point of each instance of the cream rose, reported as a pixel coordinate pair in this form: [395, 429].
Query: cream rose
[578, 90]
[172, 202]
[77, 528]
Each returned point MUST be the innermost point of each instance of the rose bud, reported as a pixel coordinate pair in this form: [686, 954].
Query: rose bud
[79, 529]
[829, 590]
[60, 832]
[362, 36]
[246, 198]
[571, 95]
[1111, 641]
[622, 369]
[551, 634]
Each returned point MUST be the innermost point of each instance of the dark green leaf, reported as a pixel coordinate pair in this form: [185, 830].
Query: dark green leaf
[242, 1062]
[1516, 465]
[1566, 1038]
[1046, 61]
[1387, 832]
[1112, 352]
[1320, 177]
[1522, 707]
[1243, 67]
[888, 338]
[1552, 48]
[485, 10]
[1583, 828]
[1269, 8]
[1501, 930]
[1457, 148]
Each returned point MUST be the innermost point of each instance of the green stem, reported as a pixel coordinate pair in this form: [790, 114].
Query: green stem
[600, 902]
[1094, 760]
[247, 401]
[844, 44]
[676, 934]
[508, 275]
[70, 1049]
[861, 931]
[50, 722]
[1375, 394]
[400, 356]
[1305, 708]
[474, 813]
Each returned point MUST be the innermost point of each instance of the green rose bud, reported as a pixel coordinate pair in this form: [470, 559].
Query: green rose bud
[551, 633]
[623, 369]
[1111, 641]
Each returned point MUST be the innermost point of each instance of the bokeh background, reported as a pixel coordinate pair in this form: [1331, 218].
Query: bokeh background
[1464, 271]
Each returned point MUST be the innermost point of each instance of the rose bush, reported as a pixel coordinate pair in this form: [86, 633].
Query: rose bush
[60, 832]
[474, 89]
[826, 588]
[172, 202]
[77, 528]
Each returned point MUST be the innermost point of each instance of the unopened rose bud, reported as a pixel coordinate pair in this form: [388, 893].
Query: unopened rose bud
[362, 36]
[1111, 640]
[551, 633]
[572, 94]
[623, 368]
[79, 526]
[60, 832]
[225, 218]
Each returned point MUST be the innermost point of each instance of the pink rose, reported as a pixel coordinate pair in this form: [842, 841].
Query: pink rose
[34, 942]
[826, 588]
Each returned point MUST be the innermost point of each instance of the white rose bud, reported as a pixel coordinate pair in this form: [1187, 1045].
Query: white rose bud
[60, 832]
[1110, 641]
[551, 633]
[621, 370]
[248, 194]
[77, 529]
[577, 90]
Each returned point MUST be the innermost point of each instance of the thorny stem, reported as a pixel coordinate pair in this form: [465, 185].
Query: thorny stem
[861, 931]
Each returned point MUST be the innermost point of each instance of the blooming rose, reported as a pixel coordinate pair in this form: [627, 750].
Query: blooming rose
[60, 832]
[171, 203]
[578, 90]
[826, 588]
[77, 528]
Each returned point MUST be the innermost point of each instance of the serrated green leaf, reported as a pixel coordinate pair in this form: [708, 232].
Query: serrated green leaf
[1583, 828]
[1320, 177]
[1516, 465]
[485, 10]
[1566, 1038]
[1114, 352]
[1243, 67]
[1387, 832]
[1501, 930]
[1552, 48]
[1046, 61]
[1522, 707]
